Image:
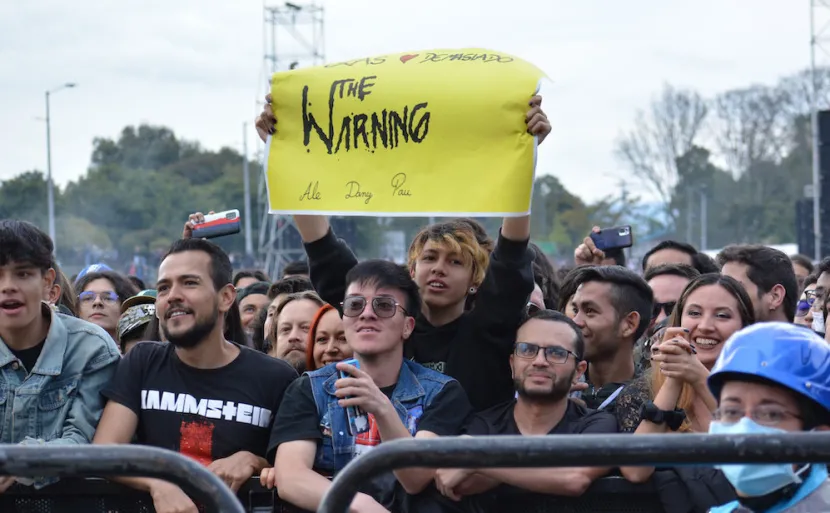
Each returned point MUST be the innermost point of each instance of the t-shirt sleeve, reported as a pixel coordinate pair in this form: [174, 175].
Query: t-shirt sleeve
[297, 418]
[598, 423]
[283, 375]
[125, 386]
[448, 411]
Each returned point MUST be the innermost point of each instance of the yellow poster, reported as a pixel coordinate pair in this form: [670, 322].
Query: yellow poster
[438, 132]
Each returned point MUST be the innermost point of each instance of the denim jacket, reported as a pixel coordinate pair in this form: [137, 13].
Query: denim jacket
[59, 401]
[416, 388]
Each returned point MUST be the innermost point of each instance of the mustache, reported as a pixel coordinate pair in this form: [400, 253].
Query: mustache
[551, 375]
[177, 309]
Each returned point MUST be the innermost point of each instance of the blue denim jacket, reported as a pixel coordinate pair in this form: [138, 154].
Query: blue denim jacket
[59, 401]
[417, 387]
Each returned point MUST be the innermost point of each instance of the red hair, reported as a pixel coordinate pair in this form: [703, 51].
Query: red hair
[312, 335]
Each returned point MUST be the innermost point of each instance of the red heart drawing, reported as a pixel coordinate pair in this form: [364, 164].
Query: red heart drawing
[408, 57]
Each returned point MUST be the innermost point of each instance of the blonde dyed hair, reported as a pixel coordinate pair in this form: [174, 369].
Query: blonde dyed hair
[456, 237]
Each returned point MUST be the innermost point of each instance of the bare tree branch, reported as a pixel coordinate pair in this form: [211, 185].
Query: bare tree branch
[799, 91]
[662, 134]
[752, 125]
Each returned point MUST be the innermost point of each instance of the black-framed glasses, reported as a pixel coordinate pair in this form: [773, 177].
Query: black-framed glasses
[553, 354]
[89, 296]
[384, 307]
[666, 308]
[766, 415]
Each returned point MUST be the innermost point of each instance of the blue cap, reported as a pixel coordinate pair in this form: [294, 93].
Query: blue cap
[94, 268]
[784, 354]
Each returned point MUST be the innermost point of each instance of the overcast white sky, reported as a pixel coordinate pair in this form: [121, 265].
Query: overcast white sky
[196, 65]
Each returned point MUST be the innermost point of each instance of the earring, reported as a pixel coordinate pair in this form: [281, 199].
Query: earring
[472, 290]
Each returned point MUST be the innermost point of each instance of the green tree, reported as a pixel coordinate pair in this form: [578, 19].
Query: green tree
[24, 197]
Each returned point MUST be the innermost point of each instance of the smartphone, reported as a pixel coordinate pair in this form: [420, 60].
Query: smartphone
[217, 225]
[358, 421]
[617, 237]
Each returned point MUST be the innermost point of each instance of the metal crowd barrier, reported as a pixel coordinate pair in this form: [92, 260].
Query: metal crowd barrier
[92, 495]
[123, 461]
[572, 451]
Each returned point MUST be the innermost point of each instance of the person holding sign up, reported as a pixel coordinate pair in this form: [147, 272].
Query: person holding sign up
[448, 265]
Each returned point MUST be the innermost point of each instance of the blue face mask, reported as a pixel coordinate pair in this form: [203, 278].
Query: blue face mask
[755, 480]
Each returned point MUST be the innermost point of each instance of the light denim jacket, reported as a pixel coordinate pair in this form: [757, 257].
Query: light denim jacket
[59, 402]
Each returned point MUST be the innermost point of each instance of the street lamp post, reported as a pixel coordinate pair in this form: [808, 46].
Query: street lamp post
[50, 190]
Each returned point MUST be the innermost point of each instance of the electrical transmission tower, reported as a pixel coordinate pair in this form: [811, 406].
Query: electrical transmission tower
[293, 37]
[819, 45]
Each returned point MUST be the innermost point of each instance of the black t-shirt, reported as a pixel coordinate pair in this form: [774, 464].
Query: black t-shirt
[207, 414]
[499, 420]
[298, 418]
[28, 357]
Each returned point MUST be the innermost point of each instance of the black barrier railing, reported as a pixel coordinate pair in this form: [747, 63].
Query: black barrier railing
[572, 451]
[123, 461]
[92, 495]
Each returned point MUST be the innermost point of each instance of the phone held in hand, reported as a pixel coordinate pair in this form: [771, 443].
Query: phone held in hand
[218, 225]
[358, 420]
[617, 237]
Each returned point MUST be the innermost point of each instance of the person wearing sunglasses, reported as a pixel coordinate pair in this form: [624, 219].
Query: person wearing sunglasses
[807, 305]
[99, 298]
[547, 360]
[312, 440]
[667, 281]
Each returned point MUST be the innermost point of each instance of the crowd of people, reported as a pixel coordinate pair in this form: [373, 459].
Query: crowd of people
[290, 379]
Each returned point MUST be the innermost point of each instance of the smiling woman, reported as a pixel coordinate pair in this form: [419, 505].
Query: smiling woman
[99, 298]
[711, 309]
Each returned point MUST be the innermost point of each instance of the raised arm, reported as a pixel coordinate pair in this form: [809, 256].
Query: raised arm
[518, 228]
[329, 258]
[509, 280]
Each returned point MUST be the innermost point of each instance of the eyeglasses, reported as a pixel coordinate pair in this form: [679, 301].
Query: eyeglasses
[553, 354]
[384, 307]
[89, 296]
[804, 306]
[666, 308]
[532, 308]
[765, 415]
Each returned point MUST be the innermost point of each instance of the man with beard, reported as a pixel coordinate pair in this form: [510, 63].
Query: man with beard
[196, 394]
[547, 361]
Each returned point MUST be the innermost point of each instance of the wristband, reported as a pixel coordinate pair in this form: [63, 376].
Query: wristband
[673, 419]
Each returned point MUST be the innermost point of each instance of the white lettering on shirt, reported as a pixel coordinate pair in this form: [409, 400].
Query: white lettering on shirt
[209, 408]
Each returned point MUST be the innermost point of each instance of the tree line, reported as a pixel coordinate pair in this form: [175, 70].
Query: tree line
[140, 188]
[748, 151]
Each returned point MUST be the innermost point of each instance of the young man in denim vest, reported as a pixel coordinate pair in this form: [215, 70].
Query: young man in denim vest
[52, 366]
[401, 399]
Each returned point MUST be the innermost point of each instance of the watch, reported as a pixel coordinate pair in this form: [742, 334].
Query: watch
[673, 419]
